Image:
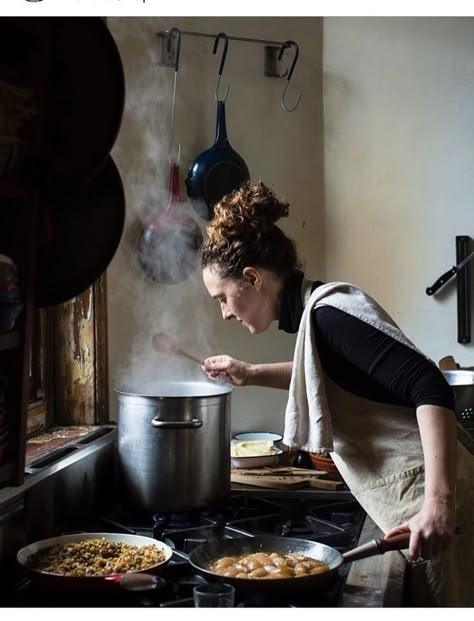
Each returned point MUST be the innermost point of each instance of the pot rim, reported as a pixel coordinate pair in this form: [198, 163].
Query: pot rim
[459, 377]
[178, 390]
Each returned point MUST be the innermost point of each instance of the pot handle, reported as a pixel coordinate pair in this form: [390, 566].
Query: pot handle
[377, 546]
[195, 423]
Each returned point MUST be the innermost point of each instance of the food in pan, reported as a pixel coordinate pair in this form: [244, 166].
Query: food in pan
[96, 557]
[252, 448]
[268, 566]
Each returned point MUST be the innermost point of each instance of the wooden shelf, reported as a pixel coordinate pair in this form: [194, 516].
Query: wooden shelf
[9, 340]
[24, 63]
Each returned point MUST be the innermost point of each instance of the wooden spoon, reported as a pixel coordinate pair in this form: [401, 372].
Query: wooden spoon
[166, 345]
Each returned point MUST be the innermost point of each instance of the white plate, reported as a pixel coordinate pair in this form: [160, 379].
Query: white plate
[259, 435]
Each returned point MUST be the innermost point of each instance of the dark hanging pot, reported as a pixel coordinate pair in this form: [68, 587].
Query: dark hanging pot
[216, 171]
[87, 100]
[81, 107]
[80, 233]
[169, 244]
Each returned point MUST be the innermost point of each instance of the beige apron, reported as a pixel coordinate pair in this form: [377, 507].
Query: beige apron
[378, 451]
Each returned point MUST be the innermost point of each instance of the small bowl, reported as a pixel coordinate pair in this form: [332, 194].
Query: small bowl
[255, 462]
[321, 462]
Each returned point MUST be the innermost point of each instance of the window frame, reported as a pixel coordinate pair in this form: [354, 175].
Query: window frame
[68, 380]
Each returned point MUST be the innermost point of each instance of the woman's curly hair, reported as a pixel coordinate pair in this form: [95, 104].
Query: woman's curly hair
[243, 232]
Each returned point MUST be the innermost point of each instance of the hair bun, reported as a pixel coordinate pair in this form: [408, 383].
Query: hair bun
[253, 204]
[243, 232]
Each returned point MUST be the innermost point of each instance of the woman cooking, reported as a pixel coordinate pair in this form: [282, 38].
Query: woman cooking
[358, 388]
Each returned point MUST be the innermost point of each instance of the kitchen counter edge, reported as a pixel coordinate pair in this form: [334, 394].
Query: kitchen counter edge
[376, 581]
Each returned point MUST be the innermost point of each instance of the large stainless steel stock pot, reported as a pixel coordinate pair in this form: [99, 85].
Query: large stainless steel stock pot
[174, 445]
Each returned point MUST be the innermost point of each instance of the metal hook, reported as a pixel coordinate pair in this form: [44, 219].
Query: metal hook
[290, 73]
[177, 32]
[221, 35]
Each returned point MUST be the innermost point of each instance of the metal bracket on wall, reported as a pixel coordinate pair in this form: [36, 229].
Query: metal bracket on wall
[463, 286]
[271, 62]
[273, 52]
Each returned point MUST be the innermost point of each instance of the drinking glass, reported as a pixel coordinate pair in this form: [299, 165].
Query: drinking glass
[215, 594]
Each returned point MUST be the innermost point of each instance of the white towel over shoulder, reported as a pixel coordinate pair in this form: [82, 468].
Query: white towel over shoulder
[307, 418]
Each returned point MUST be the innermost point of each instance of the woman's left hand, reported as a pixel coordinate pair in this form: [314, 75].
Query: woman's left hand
[432, 529]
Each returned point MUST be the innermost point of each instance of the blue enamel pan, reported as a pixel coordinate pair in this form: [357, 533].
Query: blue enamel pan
[218, 170]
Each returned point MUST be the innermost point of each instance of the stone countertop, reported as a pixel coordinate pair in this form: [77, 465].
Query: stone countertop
[377, 581]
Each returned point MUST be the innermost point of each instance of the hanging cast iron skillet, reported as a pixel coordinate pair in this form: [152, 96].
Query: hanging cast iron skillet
[85, 103]
[216, 171]
[84, 229]
[168, 245]
[79, 92]
[204, 555]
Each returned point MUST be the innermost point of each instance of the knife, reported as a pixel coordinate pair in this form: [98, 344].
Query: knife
[442, 280]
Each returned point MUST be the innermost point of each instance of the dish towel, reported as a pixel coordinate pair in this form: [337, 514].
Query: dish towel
[307, 418]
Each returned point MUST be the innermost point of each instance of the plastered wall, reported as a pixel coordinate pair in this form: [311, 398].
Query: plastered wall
[399, 163]
[377, 163]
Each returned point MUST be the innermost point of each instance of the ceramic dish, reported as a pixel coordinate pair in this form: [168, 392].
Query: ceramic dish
[256, 462]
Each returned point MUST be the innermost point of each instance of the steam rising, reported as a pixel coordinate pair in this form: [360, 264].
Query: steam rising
[141, 153]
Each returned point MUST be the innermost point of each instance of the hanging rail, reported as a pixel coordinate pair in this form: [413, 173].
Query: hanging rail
[167, 33]
[273, 53]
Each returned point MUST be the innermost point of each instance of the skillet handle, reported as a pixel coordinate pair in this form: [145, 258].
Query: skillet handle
[377, 546]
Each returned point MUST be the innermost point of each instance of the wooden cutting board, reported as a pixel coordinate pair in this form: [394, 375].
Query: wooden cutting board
[283, 482]
[272, 482]
[280, 471]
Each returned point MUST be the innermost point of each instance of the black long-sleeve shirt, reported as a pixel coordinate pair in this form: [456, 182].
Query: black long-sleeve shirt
[363, 360]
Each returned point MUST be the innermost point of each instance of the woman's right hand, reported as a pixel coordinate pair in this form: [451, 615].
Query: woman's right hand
[234, 371]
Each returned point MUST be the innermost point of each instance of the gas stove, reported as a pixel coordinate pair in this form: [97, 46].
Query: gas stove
[336, 522]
